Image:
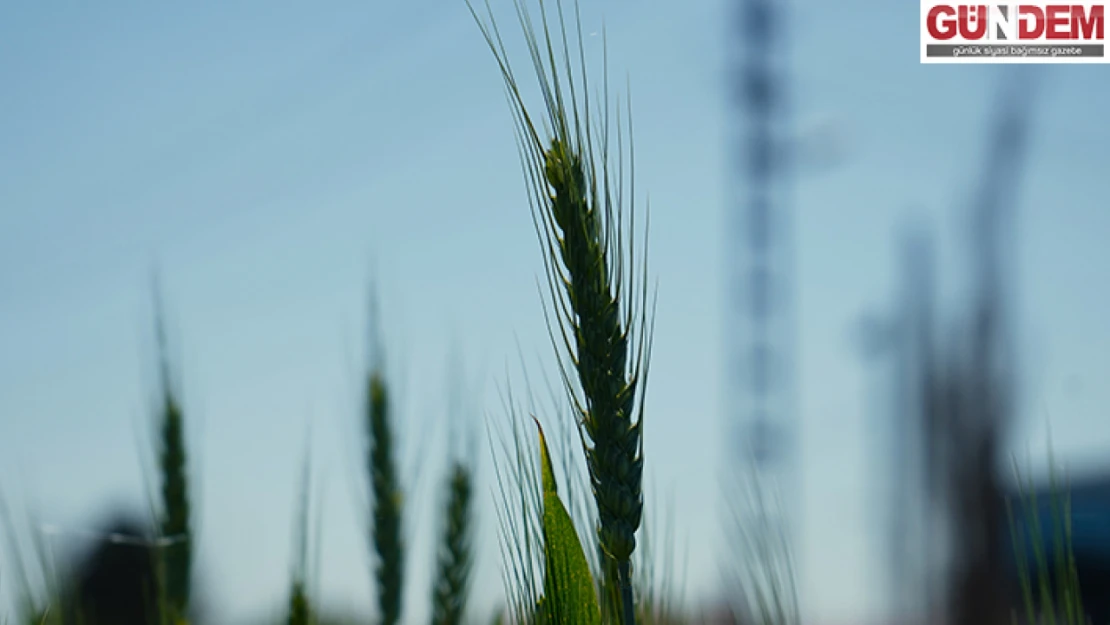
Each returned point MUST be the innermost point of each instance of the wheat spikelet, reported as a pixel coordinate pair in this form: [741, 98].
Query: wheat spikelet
[299, 613]
[386, 503]
[577, 207]
[300, 607]
[177, 558]
[455, 558]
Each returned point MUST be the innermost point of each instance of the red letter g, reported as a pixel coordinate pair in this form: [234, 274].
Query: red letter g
[941, 22]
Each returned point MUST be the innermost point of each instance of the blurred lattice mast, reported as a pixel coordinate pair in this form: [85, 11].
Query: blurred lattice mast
[759, 319]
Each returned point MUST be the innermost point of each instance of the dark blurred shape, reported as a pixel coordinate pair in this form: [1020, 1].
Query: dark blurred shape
[907, 339]
[952, 544]
[966, 421]
[115, 583]
[953, 406]
[970, 388]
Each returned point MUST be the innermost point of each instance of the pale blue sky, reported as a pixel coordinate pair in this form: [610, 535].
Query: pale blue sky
[269, 156]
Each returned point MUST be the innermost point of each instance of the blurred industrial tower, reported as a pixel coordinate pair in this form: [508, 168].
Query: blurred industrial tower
[759, 319]
[942, 486]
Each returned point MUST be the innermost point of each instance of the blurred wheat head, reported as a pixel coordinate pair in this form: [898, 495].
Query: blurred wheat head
[455, 558]
[385, 533]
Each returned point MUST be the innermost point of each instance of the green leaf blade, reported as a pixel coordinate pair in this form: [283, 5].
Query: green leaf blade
[569, 595]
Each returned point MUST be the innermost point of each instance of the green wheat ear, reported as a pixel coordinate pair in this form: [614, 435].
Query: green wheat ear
[300, 607]
[177, 558]
[386, 503]
[598, 294]
[455, 560]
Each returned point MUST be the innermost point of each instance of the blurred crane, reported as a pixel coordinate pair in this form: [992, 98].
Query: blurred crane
[952, 402]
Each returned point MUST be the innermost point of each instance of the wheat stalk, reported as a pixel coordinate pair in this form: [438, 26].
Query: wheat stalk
[578, 210]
